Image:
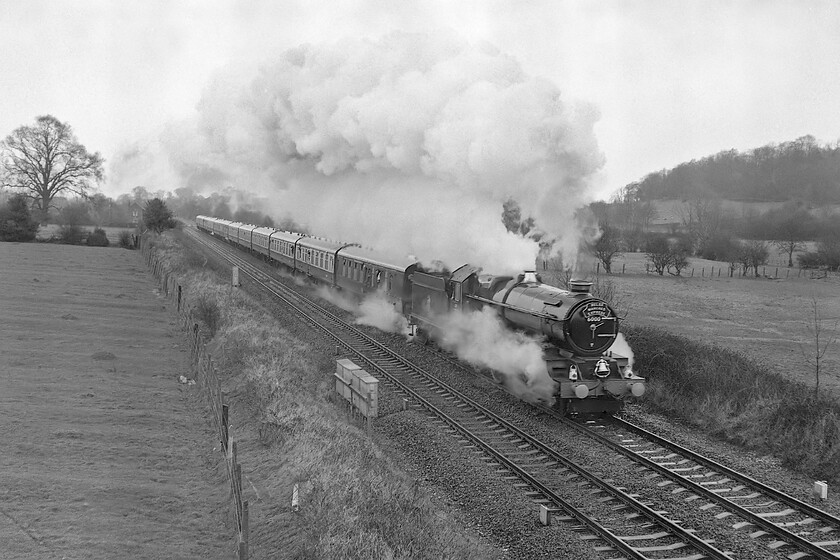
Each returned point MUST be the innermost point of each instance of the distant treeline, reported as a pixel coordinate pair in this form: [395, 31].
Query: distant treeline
[800, 170]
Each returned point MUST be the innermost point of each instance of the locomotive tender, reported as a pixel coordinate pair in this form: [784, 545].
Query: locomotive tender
[578, 329]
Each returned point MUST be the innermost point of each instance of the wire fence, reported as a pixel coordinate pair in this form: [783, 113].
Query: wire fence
[704, 270]
[726, 271]
[208, 380]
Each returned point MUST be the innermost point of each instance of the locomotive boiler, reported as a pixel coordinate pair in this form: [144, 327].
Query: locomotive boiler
[577, 328]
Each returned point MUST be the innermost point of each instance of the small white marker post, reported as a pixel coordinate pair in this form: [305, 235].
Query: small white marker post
[235, 279]
[821, 489]
[546, 513]
[295, 504]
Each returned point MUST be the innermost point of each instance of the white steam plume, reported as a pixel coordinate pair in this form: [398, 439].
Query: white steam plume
[408, 143]
[620, 347]
[376, 311]
[481, 338]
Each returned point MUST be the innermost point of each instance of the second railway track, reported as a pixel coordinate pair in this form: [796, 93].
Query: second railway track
[616, 519]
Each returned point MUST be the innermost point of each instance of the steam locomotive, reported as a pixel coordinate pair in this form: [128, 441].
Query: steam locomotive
[577, 328]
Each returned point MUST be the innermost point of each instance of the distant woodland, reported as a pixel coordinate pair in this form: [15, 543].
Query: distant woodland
[731, 206]
[800, 170]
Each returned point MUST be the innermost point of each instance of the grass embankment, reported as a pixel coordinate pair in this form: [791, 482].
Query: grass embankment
[355, 503]
[733, 397]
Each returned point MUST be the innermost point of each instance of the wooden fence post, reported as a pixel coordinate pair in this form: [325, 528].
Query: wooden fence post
[225, 434]
[245, 530]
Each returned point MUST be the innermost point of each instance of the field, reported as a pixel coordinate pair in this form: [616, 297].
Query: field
[106, 454]
[766, 319]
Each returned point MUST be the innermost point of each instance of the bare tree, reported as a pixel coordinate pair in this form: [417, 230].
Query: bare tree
[822, 340]
[607, 247]
[702, 217]
[791, 231]
[45, 160]
[679, 249]
[658, 253]
[757, 254]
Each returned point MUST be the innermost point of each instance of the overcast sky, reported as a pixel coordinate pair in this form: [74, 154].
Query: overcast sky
[672, 80]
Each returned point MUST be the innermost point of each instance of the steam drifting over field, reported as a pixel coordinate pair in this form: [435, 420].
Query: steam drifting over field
[409, 143]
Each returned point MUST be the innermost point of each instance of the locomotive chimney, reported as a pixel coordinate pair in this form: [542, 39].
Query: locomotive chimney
[530, 277]
[580, 286]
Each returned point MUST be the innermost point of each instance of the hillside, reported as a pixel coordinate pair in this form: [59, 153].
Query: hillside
[800, 170]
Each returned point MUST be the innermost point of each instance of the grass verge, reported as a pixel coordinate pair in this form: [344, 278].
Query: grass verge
[733, 397]
[355, 503]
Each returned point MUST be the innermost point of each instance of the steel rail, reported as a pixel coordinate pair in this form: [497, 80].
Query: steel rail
[615, 540]
[774, 529]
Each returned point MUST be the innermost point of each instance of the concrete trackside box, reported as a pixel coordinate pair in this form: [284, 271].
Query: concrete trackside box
[344, 370]
[357, 387]
[366, 393]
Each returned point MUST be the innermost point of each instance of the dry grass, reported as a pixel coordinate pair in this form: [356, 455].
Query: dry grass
[727, 394]
[354, 502]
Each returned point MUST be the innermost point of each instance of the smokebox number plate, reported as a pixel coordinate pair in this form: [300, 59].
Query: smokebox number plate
[595, 312]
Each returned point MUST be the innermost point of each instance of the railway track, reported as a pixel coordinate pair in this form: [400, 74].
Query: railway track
[617, 521]
[787, 523]
[791, 526]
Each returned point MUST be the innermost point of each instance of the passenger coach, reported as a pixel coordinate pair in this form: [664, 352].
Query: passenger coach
[361, 270]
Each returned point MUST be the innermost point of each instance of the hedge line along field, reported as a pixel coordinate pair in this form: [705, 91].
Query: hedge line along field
[105, 454]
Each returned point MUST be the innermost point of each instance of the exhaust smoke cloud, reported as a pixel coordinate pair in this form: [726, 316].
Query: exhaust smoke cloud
[409, 143]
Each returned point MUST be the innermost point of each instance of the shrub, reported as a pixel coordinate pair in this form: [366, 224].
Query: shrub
[809, 260]
[206, 309]
[827, 256]
[16, 223]
[126, 239]
[70, 234]
[98, 238]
